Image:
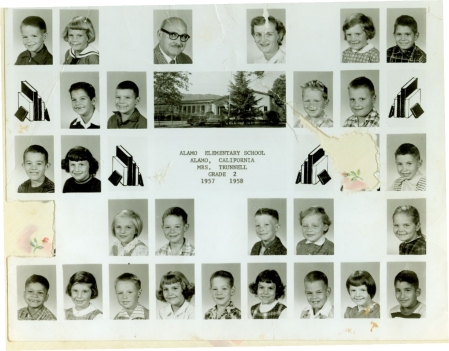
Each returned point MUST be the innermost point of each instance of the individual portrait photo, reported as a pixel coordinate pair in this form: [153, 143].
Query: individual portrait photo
[406, 227]
[172, 37]
[360, 99]
[83, 291]
[128, 227]
[221, 291]
[406, 35]
[359, 40]
[175, 227]
[36, 293]
[127, 168]
[32, 37]
[36, 157]
[266, 36]
[314, 226]
[80, 165]
[360, 288]
[80, 100]
[313, 98]
[267, 290]
[80, 37]
[175, 291]
[127, 100]
[406, 162]
[314, 290]
[406, 289]
[267, 227]
[128, 292]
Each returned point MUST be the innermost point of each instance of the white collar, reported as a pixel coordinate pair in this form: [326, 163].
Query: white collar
[267, 307]
[167, 58]
[319, 242]
[81, 313]
[366, 48]
[89, 50]
[181, 309]
[128, 247]
[277, 56]
[414, 181]
[324, 311]
[95, 119]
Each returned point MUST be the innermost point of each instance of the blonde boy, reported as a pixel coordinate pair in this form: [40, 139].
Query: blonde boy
[222, 289]
[267, 225]
[317, 292]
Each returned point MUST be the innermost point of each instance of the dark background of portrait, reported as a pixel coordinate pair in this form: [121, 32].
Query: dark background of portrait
[420, 17]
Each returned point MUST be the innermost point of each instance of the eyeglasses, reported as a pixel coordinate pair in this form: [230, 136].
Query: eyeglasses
[174, 35]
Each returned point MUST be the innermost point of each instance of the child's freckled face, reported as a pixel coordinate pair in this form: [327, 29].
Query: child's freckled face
[404, 228]
[407, 165]
[361, 101]
[81, 294]
[266, 227]
[356, 37]
[35, 295]
[174, 229]
[406, 294]
[266, 292]
[35, 166]
[127, 294]
[317, 293]
[79, 170]
[266, 38]
[125, 231]
[77, 39]
[405, 38]
[82, 104]
[221, 291]
[314, 102]
[125, 101]
[33, 38]
[313, 227]
[359, 295]
[173, 294]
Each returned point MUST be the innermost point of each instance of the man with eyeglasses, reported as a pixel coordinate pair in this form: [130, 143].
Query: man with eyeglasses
[172, 41]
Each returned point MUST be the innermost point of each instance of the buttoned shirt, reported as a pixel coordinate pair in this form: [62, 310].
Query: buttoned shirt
[139, 313]
[414, 247]
[135, 121]
[327, 311]
[186, 311]
[94, 122]
[372, 120]
[230, 312]
[42, 57]
[417, 183]
[43, 314]
[411, 55]
[274, 248]
[279, 57]
[187, 249]
[134, 248]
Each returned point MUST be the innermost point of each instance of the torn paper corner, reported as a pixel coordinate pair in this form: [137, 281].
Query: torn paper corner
[29, 229]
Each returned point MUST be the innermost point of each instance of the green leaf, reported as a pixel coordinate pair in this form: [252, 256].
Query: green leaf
[35, 240]
[32, 244]
[358, 171]
[40, 247]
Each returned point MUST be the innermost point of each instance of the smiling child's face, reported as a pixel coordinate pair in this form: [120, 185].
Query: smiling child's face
[361, 101]
[313, 227]
[127, 294]
[406, 294]
[404, 228]
[173, 294]
[33, 38]
[405, 38]
[356, 37]
[35, 167]
[174, 229]
[266, 292]
[221, 291]
[314, 102]
[81, 294]
[407, 165]
[78, 39]
[79, 170]
[82, 104]
[317, 293]
[125, 231]
[266, 227]
[359, 295]
[35, 295]
[126, 101]
[266, 38]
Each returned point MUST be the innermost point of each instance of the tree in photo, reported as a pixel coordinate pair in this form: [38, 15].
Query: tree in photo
[167, 86]
[278, 93]
[243, 101]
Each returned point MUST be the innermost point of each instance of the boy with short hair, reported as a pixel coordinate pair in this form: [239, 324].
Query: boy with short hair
[405, 34]
[362, 97]
[83, 103]
[408, 162]
[126, 100]
[34, 33]
[222, 289]
[174, 225]
[35, 295]
[35, 163]
[317, 291]
[267, 225]
[406, 285]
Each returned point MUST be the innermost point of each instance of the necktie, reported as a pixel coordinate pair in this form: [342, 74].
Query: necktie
[172, 62]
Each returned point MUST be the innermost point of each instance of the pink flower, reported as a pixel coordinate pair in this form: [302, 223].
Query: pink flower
[354, 185]
[45, 240]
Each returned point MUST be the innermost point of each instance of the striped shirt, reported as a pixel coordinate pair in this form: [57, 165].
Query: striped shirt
[139, 313]
[411, 55]
[43, 314]
[417, 183]
[187, 249]
[419, 312]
